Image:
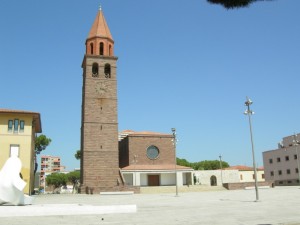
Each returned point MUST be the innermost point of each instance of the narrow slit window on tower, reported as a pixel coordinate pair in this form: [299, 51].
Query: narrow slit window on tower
[95, 69]
[101, 48]
[107, 70]
[92, 48]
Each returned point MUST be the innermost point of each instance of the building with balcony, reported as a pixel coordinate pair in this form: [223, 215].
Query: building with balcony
[49, 164]
[282, 164]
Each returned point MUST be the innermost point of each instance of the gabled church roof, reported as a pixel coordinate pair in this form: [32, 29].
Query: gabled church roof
[100, 28]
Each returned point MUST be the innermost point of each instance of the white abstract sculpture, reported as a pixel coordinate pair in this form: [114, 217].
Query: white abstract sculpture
[11, 185]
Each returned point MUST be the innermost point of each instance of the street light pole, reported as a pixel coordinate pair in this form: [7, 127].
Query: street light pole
[134, 161]
[249, 112]
[296, 143]
[175, 160]
[220, 156]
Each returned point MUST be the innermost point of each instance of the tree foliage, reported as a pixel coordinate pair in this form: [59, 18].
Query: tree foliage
[57, 179]
[230, 4]
[74, 177]
[203, 165]
[78, 154]
[41, 142]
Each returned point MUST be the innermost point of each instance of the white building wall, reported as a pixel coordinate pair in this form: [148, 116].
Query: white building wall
[167, 179]
[228, 176]
[128, 178]
[248, 176]
[180, 178]
[144, 179]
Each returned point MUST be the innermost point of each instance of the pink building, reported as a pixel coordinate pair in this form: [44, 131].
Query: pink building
[282, 164]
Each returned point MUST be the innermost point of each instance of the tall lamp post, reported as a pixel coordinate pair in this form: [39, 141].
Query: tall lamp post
[134, 161]
[249, 112]
[296, 143]
[220, 156]
[175, 160]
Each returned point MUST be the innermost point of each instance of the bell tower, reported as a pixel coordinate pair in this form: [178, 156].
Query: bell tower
[99, 118]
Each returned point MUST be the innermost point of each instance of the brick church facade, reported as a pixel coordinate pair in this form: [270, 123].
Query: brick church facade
[105, 164]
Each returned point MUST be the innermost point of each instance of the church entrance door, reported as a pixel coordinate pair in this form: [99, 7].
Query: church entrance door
[153, 180]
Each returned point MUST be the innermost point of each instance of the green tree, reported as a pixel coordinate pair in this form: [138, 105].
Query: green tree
[230, 4]
[210, 165]
[57, 179]
[41, 142]
[74, 178]
[203, 165]
[78, 154]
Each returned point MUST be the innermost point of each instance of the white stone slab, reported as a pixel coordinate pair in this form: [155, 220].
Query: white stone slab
[64, 209]
[117, 193]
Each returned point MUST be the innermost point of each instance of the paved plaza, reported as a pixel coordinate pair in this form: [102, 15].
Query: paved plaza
[278, 205]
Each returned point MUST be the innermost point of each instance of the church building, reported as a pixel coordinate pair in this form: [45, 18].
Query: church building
[106, 163]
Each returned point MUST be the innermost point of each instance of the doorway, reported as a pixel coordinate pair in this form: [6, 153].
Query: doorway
[213, 181]
[153, 180]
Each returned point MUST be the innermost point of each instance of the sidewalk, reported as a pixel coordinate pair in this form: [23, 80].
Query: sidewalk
[277, 206]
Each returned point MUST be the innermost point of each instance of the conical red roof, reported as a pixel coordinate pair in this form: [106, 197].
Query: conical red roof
[100, 28]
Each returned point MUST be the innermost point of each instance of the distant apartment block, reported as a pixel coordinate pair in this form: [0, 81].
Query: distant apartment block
[282, 164]
[49, 165]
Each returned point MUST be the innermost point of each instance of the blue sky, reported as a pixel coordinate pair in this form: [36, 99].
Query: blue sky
[183, 64]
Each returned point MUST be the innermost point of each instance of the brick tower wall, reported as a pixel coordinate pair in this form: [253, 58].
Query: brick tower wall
[100, 159]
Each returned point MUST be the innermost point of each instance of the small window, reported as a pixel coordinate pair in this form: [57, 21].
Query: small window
[16, 126]
[295, 157]
[287, 158]
[101, 48]
[297, 170]
[279, 172]
[270, 161]
[95, 70]
[107, 70]
[280, 182]
[263, 176]
[253, 176]
[241, 176]
[14, 150]
[288, 171]
[289, 182]
[272, 173]
[92, 48]
[22, 125]
[278, 159]
[10, 125]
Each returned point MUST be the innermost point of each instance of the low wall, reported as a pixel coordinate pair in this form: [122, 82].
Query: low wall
[97, 190]
[240, 185]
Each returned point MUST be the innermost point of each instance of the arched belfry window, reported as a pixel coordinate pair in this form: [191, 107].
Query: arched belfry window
[101, 48]
[95, 69]
[107, 70]
[109, 50]
[92, 48]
